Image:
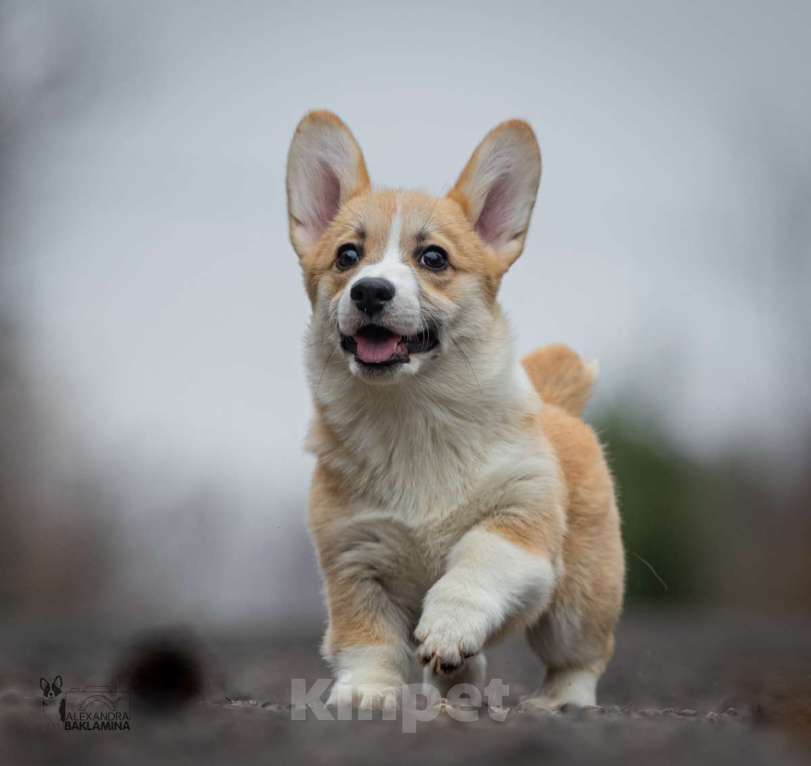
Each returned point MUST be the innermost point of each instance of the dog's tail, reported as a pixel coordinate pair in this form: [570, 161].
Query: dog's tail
[561, 377]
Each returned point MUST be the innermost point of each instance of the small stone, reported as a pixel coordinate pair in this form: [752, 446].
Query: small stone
[242, 702]
[276, 707]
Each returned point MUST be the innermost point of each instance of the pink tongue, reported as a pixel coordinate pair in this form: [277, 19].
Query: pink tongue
[376, 350]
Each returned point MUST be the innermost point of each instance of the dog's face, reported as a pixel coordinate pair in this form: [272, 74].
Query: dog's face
[51, 690]
[397, 279]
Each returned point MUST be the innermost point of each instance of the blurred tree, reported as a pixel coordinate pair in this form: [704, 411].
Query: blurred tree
[721, 531]
[55, 533]
[663, 498]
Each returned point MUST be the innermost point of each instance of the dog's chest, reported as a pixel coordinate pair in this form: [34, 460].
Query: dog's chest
[458, 490]
[404, 454]
[423, 474]
[434, 467]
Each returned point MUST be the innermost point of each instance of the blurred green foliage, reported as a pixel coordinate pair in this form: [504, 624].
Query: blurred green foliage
[665, 502]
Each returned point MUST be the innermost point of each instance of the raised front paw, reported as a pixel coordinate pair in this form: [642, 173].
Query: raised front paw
[448, 634]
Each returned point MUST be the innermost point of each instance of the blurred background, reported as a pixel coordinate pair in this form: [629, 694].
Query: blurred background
[152, 393]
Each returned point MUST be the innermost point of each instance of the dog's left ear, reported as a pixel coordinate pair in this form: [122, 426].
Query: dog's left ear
[498, 186]
[57, 684]
[325, 168]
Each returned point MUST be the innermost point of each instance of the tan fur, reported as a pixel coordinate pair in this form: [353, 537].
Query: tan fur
[592, 552]
[315, 121]
[593, 562]
[463, 192]
[456, 480]
[365, 220]
[561, 377]
[531, 532]
[352, 620]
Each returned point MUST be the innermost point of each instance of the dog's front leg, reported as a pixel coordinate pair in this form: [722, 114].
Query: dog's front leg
[365, 642]
[372, 577]
[500, 570]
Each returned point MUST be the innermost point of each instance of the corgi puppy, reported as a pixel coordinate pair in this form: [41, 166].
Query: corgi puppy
[457, 493]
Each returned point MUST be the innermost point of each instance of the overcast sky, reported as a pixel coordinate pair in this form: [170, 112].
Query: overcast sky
[162, 301]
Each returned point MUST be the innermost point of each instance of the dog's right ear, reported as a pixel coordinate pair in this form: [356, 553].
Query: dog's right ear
[325, 168]
[44, 685]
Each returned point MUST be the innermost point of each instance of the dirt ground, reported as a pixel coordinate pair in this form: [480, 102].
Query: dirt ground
[685, 687]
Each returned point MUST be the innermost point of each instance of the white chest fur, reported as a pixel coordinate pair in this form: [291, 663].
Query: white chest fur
[427, 450]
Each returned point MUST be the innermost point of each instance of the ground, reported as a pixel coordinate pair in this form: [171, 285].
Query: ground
[685, 687]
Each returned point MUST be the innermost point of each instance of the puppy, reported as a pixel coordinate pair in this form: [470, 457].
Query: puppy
[457, 493]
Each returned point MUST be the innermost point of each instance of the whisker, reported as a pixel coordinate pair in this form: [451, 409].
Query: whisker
[653, 571]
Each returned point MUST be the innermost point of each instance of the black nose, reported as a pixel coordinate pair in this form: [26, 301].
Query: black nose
[371, 294]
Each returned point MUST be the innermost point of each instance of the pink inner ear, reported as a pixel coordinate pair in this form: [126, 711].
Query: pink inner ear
[326, 198]
[494, 220]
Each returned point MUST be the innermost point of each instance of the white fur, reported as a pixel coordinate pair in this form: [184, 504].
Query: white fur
[568, 686]
[369, 676]
[425, 450]
[488, 580]
[403, 314]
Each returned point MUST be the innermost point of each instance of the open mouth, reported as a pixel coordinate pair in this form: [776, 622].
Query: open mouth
[376, 346]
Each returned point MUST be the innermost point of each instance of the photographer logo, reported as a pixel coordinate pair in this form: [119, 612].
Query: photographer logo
[91, 708]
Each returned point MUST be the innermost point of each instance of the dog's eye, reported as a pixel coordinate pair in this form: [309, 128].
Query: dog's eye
[433, 258]
[347, 257]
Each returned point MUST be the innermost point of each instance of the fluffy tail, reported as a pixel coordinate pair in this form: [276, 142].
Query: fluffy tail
[561, 377]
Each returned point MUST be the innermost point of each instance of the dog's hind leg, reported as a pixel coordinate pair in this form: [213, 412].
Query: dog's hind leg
[575, 645]
[575, 635]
